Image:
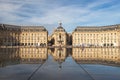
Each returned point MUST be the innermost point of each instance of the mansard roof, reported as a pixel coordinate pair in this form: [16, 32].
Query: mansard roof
[60, 28]
[23, 28]
[10, 27]
[97, 28]
[33, 28]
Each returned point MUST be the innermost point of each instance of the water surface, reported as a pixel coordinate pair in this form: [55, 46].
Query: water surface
[59, 64]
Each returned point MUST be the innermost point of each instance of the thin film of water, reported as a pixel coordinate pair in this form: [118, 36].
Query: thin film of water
[59, 63]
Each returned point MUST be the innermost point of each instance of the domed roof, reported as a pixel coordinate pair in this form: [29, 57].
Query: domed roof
[60, 28]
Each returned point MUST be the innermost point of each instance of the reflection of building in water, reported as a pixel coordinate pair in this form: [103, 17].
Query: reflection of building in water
[96, 54]
[59, 54]
[59, 36]
[9, 55]
[33, 55]
[96, 36]
[12, 35]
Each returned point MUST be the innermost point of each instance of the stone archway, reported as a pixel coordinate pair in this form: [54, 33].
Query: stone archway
[41, 44]
[44, 44]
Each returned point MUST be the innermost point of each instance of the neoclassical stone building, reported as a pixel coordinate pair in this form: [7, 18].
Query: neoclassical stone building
[9, 35]
[96, 36]
[33, 36]
[59, 36]
[13, 35]
[102, 36]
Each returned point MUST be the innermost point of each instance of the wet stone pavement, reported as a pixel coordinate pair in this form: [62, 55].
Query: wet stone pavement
[51, 69]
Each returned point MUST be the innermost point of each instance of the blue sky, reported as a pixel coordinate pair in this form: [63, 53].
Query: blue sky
[71, 13]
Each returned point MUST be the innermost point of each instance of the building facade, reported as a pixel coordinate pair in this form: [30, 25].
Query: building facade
[12, 35]
[96, 36]
[59, 36]
[33, 36]
[9, 35]
[102, 36]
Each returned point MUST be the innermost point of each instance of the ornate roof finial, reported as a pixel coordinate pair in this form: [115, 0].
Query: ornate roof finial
[60, 23]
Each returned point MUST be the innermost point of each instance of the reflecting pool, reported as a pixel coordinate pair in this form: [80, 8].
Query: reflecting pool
[59, 63]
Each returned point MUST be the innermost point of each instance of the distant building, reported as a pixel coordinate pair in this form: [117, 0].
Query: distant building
[33, 36]
[96, 36]
[102, 36]
[12, 35]
[59, 36]
[9, 35]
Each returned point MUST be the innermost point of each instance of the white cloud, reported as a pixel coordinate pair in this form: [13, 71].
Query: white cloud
[48, 13]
